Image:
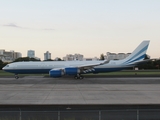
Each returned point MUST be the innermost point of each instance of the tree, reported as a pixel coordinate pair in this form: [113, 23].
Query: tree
[146, 57]
[58, 59]
[152, 64]
[25, 59]
[2, 64]
[102, 57]
[49, 60]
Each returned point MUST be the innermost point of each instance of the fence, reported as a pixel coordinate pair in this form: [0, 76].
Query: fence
[128, 114]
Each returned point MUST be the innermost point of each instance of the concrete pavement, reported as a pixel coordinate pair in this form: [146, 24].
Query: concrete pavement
[34, 90]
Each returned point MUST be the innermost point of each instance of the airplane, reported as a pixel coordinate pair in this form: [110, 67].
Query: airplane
[77, 68]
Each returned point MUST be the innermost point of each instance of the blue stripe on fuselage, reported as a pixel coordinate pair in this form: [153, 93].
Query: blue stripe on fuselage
[141, 51]
[46, 71]
[28, 71]
[141, 57]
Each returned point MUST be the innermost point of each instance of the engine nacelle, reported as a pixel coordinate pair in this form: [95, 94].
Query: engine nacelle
[56, 73]
[72, 71]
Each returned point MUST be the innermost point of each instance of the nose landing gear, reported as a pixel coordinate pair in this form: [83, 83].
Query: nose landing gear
[16, 76]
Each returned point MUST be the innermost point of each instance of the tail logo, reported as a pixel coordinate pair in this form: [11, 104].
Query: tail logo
[137, 56]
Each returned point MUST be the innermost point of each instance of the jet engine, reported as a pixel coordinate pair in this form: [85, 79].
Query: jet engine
[72, 71]
[56, 73]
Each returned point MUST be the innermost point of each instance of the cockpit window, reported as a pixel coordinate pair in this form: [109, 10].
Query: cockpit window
[7, 65]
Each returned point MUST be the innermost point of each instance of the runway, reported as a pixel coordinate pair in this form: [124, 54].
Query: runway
[37, 90]
[107, 80]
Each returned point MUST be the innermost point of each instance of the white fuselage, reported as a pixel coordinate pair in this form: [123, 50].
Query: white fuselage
[45, 67]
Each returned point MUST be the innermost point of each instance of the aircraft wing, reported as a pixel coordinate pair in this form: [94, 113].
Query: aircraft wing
[143, 61]
[92, 65]
[83, 66]
[88, 67]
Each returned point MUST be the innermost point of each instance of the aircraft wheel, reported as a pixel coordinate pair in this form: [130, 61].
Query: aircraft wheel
[81, 77]
[76, 77]
[16, 77]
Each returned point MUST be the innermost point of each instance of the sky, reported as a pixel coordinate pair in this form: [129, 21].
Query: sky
[88, 27]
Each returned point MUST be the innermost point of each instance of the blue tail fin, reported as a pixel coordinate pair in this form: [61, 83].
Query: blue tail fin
[138, 54]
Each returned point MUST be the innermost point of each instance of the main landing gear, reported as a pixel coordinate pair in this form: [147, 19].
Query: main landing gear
[78, 76]
[16, 76]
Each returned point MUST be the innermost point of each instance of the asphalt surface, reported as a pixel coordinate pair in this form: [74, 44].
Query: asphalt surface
[70, 80]
[38, 90]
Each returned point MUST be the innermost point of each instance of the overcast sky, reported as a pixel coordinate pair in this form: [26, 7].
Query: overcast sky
[88, 27]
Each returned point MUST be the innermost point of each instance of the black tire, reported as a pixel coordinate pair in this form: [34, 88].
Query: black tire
[16, 77]
[81, 77]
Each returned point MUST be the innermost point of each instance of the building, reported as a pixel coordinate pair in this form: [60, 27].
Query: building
[114, 56]
[47, 55]
[37, 58]
[91, 59]
[31, 54]
[70, 57]
[9, 56]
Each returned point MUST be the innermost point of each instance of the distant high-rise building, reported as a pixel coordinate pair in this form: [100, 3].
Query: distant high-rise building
[47, 55]
[10, 56]
[71, 57]
[31, 54]
[91, 59]
[114, 56]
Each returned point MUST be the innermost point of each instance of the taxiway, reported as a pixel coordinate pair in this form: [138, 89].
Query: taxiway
[37, 90]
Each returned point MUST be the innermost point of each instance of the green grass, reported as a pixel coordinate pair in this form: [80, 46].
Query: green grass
[128, 73]
[123, 73]
[3, 73]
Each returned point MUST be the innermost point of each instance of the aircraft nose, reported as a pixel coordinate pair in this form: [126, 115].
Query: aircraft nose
[3, 68]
